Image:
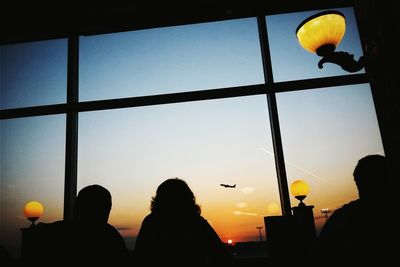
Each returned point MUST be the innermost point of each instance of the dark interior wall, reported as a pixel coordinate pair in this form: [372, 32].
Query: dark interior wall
[379, 30]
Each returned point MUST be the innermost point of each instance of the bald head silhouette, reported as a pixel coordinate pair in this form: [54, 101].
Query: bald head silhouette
[92, 205]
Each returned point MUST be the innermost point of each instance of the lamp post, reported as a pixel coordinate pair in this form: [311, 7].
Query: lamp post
[297, 228]
[303, 214]
[259, 232]
[321, 34]
[326, 212]
[32, 211]
[30, 236]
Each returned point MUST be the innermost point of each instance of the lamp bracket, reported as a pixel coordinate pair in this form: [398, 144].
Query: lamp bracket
[344, 60]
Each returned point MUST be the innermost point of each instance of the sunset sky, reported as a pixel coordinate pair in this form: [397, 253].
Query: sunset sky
[131, 151]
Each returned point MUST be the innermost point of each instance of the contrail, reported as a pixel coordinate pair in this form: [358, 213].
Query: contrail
[244, 213]
[294, 165]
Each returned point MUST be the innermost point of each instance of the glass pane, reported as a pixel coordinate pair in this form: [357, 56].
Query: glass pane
[33, 74]
[170, 59]
[291, 62]
[32, 168]
[324, 133]
[131, 151]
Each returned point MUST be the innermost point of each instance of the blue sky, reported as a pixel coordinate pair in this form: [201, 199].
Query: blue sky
[173, 59]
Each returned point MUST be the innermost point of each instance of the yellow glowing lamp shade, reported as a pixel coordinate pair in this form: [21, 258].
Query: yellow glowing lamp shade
[33, 209]
[324, 28]
[299, 188]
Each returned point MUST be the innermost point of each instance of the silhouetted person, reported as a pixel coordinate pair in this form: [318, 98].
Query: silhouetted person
[88, 239]
[175, 232]
[96, 239]
[360, 231]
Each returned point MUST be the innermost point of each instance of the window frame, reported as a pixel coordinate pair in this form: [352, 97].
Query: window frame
[73, 106]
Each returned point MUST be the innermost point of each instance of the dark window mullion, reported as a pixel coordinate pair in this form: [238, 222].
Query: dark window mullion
[273, 117]
[71, 143]
[238, 91]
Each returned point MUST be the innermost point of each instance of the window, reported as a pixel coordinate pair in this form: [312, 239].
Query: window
[32, 168]
[206, 143]
[33, 74]
[324, 133]
[218, 129]
[171, 59]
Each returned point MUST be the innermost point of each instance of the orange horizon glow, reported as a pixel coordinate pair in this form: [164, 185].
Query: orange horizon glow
[231, 221]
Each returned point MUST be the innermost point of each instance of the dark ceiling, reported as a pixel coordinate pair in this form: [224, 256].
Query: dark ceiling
[26, 22]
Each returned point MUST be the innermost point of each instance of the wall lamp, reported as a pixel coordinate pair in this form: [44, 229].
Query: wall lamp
[321, 34]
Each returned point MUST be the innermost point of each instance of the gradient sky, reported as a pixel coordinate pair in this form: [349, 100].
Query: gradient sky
[131, 151]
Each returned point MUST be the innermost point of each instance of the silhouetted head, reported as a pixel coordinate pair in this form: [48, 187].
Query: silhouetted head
[174, 197]
[372, 176]
[93, 204]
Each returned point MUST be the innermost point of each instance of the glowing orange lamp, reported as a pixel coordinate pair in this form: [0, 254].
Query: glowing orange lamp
[300, 190]
[321, 34]
[32, 211]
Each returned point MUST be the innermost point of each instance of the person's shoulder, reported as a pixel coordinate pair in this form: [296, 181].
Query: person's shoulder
[204, 224]
[353, 204]
[112, 230]
[113, 236]
[201, 218]
[149, 218]
[348, 207]
[346, 213]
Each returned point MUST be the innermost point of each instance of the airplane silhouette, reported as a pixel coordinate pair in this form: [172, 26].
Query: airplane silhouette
[228, 186]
